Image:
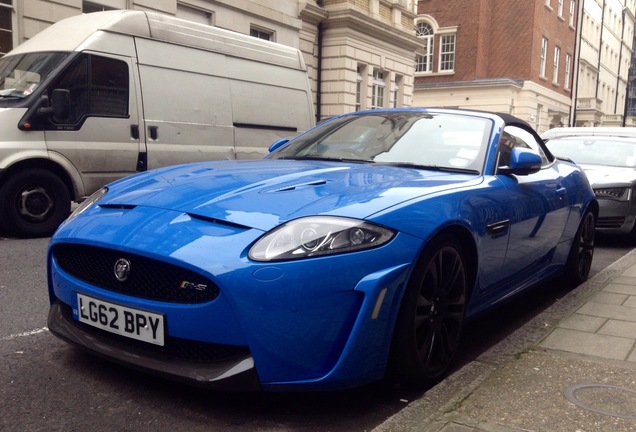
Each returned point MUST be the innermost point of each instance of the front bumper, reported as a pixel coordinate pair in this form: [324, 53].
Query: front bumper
[218, 366]
[616, 217]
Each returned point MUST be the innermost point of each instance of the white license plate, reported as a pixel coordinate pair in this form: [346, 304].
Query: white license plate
[133, 323]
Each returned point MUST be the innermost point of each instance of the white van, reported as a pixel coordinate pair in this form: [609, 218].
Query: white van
[96, 97]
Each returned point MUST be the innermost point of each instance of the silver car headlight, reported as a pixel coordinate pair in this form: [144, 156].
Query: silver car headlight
[318, 236]
[88, 203]
[617, 193]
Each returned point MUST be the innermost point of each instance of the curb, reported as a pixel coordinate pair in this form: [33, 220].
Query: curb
[423, 413]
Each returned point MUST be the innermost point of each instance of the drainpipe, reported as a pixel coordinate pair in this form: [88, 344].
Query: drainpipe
[577, 62]
[600, 50]
[620, 64]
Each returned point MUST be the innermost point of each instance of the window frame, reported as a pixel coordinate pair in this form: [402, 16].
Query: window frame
[568, 71]
[428, 39]
[555, 70]
[446, 55]
[378, 89]
[544, 57]
[8, 8]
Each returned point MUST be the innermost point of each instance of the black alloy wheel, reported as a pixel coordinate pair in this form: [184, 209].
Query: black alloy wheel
[581, 252]
[429, 325]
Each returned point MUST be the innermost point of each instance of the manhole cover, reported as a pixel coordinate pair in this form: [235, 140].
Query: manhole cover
[604, 399]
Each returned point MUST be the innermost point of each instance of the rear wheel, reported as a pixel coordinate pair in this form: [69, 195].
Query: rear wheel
[429, 324]
[581, 253]
[34, 203]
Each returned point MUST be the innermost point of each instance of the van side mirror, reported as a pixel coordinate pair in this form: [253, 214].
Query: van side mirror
[58, 105]
[61, 103]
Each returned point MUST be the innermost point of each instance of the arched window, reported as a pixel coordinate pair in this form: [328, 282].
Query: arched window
[424, 57]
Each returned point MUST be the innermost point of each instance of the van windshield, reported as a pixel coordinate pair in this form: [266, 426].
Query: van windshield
[21, 74]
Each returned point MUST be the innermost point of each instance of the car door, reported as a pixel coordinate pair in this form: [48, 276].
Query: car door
[101, 137]
[537, 206]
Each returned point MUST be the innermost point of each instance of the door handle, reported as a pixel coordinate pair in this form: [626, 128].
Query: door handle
[134, 132]
[153, 132]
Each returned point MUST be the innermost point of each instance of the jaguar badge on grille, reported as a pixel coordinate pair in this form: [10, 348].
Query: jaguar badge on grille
[122, 269]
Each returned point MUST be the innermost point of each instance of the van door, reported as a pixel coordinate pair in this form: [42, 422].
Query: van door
[101, 136]
[186, 103]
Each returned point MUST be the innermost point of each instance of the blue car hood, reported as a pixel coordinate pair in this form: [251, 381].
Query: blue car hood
[264, 193]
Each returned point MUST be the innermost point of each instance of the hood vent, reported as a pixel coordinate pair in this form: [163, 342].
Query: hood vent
[299, 186]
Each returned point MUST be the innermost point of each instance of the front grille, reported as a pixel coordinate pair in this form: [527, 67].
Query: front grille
[173, 348]
[148, 278]
[610, 222]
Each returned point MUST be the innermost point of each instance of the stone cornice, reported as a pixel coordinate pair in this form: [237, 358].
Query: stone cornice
[353, 19]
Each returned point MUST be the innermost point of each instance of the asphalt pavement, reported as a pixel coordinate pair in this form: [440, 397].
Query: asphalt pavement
[571, 368]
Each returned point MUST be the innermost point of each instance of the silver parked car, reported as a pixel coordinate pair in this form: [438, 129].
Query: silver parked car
[608, 157]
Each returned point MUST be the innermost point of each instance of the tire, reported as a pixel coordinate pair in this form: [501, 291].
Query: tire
[579, 263]
[429, 325]
[34, 203]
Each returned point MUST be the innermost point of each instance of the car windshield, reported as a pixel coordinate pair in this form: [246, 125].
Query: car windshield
[619, 152]
[21, 74]
[420, 139]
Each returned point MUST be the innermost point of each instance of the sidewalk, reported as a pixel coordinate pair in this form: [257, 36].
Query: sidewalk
[572, 368]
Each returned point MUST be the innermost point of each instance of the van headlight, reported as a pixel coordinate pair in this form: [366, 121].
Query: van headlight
[88, 203]
[318, 236]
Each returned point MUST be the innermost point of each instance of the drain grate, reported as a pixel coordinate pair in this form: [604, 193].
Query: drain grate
[604, 399]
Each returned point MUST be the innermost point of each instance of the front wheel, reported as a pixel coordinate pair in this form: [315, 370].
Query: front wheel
[581, 252]
[431, 317]
[33, 203]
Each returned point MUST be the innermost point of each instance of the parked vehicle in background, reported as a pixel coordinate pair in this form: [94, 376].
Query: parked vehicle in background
[608, 157]
[355, 250]
[97, 97]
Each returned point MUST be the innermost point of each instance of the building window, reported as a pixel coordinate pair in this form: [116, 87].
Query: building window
[555, 74]
[572, 12]
[377, 96]
[6, 26]
[447, 53]
[544, 56]
[97, 6]
[568, 70]
[358, 106]
[547, 3]
[560, 9]
[424, 61]
[397, 84]
[201, 16]
[261, 34]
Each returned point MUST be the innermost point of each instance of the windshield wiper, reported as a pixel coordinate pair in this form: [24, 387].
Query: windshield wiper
[327, 159]
[434, 168]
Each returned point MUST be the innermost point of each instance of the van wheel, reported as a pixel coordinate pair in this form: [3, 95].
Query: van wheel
[431, 317]
[34, 203]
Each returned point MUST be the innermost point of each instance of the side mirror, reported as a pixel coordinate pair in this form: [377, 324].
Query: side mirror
[58, 105]
[523, 161]
[61, 103]
[278, 144]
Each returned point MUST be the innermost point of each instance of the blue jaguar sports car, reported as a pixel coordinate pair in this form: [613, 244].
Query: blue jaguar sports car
[354, 252]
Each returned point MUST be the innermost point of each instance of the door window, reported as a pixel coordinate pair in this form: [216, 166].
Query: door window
[98, 86]
[514, 136]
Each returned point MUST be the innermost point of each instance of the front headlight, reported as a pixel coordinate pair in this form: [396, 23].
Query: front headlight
[88, 203]
[618, 193]
[317, 236]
